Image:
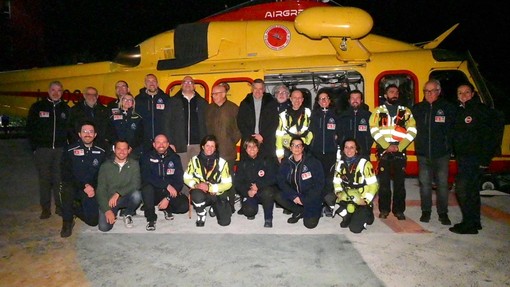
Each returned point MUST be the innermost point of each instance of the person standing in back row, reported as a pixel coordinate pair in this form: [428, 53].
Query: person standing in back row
[434, 118]
[474, 144]
[221, 121]
[185, 126]
[393, 128]
[258, 118]
[152, 104]
[47, 126]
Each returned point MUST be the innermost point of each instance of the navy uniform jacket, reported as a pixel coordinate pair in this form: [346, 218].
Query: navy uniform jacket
[80, 164]
[324, 126]
[434, 123]
[473, 132]
[259, 171]
[160, 170]
[47, 124]
[153, 111]
[354, 124]
[310, 182]
[127, 125]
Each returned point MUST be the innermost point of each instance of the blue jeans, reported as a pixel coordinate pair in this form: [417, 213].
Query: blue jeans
[130, 202]
[428, 168]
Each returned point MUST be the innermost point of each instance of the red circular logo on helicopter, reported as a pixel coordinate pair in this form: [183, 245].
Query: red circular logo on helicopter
[277, 37]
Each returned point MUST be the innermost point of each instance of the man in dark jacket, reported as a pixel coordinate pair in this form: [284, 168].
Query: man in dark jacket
[90, 110]
[152, 105]
[258, 118]
[47, 126]
[353, 124]
[80, 168]
[185, 126]
[434, 118]
[474, 144]
[162, 182]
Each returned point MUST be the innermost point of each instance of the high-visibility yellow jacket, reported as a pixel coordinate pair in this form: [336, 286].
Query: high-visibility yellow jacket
[219, 178]
[289, 127]
[355, 183]
[386, 130]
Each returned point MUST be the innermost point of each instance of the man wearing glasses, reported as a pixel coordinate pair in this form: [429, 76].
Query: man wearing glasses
[90, 110]
[80, 168]
[221, 121]
[434, 118]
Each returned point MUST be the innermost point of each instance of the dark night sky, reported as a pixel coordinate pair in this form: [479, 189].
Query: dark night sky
[96, 30]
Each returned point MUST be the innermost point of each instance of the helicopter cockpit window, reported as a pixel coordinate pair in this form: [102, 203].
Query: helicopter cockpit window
[406, 85]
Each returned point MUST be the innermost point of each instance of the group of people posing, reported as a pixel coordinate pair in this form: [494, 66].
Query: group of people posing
[176, 152]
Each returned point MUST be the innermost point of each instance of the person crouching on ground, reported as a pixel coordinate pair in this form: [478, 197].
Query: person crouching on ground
[255, 181]
[162, 182]
[301, 180]
[118, 187]
[355, 188]
[208, 177]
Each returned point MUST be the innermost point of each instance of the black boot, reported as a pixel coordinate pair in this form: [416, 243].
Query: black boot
[67, 229]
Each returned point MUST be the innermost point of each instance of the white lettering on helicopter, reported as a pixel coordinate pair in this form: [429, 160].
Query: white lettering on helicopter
[282, 13]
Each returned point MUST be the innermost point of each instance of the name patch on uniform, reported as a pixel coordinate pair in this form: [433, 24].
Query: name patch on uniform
[43, 114]
[117, 117]
[79, 152]
[331, 124]
[261, 173]
[362, 128]
[96, 151]
[154, 160]
[306, 175]
[440, 119]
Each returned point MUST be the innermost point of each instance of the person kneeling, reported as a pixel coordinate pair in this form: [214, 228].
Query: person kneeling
[301, 181]
[208, 177]
[355, 187]
[118, 187]
[162, 182]
[255, 181]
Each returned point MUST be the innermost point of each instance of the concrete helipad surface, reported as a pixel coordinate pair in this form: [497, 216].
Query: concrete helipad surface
[389, 253]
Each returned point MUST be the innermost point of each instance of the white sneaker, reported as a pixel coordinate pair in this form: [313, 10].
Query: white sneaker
[128, 221]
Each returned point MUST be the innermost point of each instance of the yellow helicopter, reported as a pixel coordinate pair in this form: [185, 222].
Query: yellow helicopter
[304, 44]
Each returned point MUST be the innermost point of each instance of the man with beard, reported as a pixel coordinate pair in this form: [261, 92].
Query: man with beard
[393, 128]
[354, 124]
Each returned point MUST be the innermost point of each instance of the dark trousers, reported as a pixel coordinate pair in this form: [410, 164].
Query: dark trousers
[467, 189]
[76, 202]
[153, 196]
[130, 202]
[263, 196]
[220, 204]
[392, 166]
[428, 167]
[309, 221]
[47, 162]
